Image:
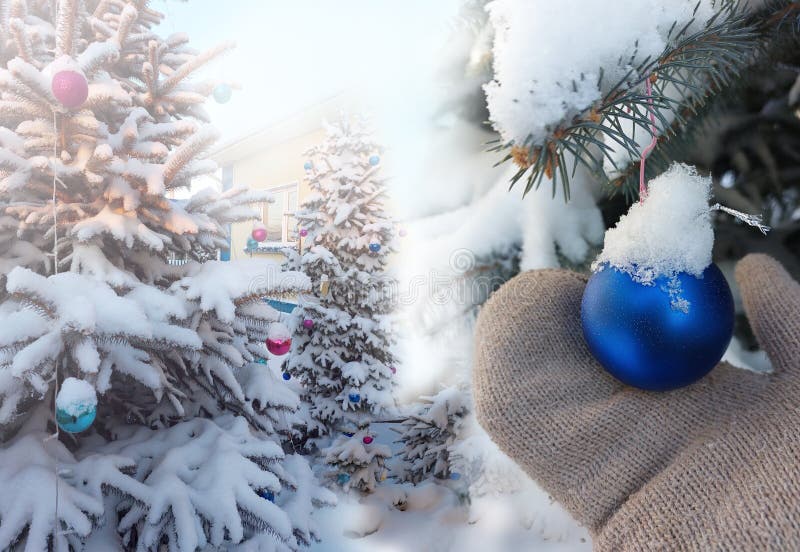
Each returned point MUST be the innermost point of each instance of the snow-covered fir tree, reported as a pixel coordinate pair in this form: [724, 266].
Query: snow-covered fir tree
[185, 451]
[357, 461]
[428, 435]
[344, 358]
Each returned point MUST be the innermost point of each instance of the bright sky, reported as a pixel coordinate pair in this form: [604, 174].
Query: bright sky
[294, 53]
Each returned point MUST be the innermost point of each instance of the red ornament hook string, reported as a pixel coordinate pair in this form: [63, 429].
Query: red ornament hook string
[646, 151]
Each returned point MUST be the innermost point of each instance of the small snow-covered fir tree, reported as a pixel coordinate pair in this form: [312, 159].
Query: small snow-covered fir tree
[345, 361]
[427, 436]
[185, 445]
[357, 461]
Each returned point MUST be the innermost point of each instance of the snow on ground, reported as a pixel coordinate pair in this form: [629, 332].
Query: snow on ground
[433, 517]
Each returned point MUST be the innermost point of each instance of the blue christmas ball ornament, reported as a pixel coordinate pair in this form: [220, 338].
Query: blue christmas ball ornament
[455, 476]
[287, 376]
[374, 247]
[343, 478]
[354, 397]
[222, 93]
[347, 434]
[662, 336]
[261, 360]
[267, 494]
[252, 244]
[374, 160]
[308, 166]
[76, 405]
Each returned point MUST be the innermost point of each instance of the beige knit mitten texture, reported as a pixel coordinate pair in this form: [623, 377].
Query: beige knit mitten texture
[713, 466]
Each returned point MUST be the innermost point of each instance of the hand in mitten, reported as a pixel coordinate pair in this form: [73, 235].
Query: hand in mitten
[713, 466]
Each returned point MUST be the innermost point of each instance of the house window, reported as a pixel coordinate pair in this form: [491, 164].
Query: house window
[278, 217]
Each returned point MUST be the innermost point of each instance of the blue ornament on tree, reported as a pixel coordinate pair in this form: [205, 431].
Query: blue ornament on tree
[222, 93]
[308, 166]
[76, 405]
[343, 478]
[374, 247]
[647, 336]
[354, 397]
[374, 160]
[455, 476]
[267, 494]
[287, 376]
[261, 360]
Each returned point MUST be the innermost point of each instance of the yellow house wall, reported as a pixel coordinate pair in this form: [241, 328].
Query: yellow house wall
[272, 167]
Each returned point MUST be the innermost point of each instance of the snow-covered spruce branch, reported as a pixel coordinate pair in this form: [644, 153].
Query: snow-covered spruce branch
[703, 54]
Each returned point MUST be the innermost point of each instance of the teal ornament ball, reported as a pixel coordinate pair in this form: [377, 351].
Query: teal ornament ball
[251, 244]
[78, 422]
[308, 166]
[76, 405]
[222, 93]
[343, 478]
[374, 160]
[661, 336]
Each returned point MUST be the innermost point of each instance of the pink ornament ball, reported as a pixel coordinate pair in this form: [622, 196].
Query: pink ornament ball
[367, 439]
[259, 234]
[70, 88]
[279, 347]
[393, 369]
[308, 323]
[303, 232]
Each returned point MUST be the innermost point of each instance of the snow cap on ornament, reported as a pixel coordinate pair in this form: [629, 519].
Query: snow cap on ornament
[68, 83]
[76, 405]
[279, 339]
[667, 233]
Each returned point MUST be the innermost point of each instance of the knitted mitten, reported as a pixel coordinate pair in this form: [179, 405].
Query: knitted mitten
[712, 466]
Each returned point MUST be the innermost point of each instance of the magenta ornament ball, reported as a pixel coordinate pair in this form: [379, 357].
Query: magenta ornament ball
[279, 347]
[308, 323]
[70, 88]
[367, 440]
[259, 234]
[303, 232]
